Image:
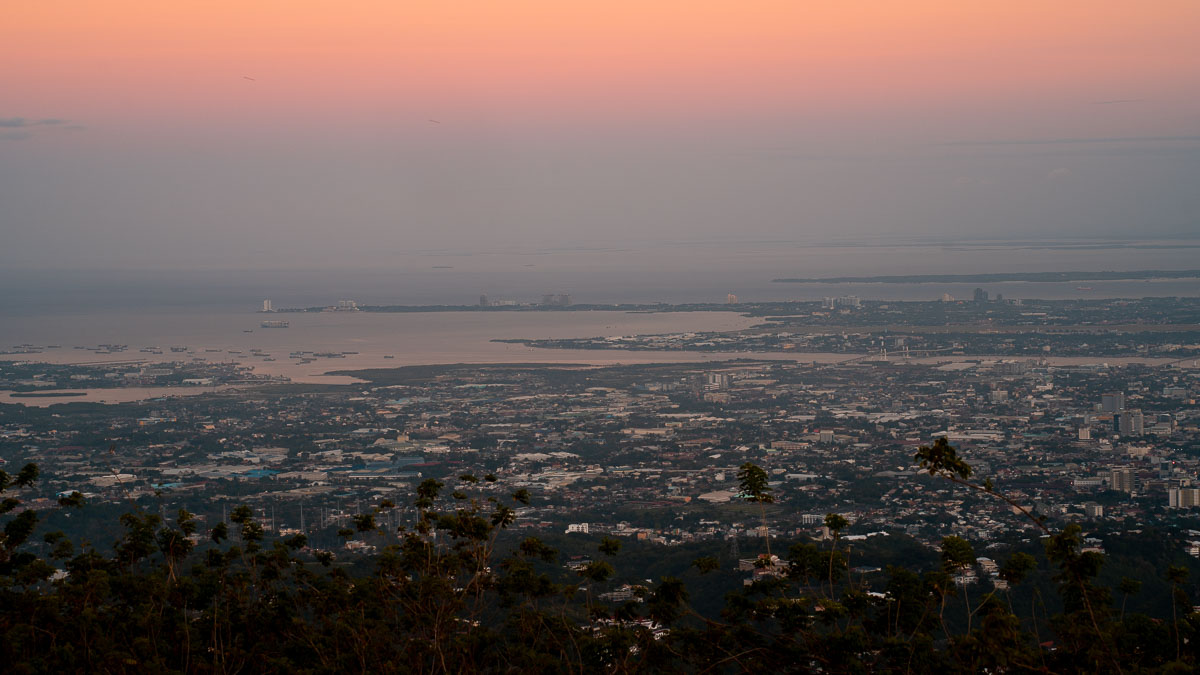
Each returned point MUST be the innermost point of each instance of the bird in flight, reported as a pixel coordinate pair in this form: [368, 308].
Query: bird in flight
[435, 121]
[247, 77]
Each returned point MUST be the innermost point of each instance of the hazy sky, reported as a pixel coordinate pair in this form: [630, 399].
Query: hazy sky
[319, 132]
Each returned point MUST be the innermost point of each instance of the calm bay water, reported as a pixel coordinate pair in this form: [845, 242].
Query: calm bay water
[675, 273]
[375, 340]
[408, 339]
[213, 312]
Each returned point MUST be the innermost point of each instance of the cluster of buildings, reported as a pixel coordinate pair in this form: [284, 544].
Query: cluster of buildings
[32, 377]
[548, 300]
[652, 453]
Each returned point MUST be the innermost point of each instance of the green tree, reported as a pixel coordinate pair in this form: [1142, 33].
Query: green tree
[957, 556]
[1128, 587]
[1177, 575]
[753, 486]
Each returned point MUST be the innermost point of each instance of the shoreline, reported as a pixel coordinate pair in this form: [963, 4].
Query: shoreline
[347, 376]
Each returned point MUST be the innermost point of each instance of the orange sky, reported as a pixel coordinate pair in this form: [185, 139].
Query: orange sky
[163, 129]
[182, 63]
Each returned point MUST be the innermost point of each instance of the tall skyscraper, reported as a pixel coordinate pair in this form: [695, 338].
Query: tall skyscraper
[843, 301]
[1131, 423]
[714, 381]
[559, 300]
[1183, 498]
[1121, 480]
[1112, 402]
[267, 307]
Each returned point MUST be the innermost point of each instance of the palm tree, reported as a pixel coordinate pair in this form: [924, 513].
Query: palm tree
[835, 523]
[957, 556]
[1176, 575]
[1127, 587]
[752, 481]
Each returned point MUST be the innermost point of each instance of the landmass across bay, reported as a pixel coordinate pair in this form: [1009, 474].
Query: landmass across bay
[998, 277]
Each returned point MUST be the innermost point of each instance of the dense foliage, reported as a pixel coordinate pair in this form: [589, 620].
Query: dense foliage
[446, 599]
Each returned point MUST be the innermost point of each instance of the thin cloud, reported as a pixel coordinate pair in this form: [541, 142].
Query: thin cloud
[14, 135]
[1118, 100]
[1059, 174]
[22, 122]
[1075, 141]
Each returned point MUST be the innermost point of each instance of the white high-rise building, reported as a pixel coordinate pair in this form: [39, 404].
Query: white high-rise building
[1121, 480]
[1183, 498]
[267, 307]
[715, 381]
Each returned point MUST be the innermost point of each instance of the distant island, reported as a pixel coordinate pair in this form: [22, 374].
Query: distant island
[1132, 275]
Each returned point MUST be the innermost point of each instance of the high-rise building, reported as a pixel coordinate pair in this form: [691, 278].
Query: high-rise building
[1183, 498]
[1121, 480]
[267, 307]
[1131, 423]
[1112, 402]
[852, 301]
[483, 301]
[731, 299]
[716, 381]
[981, 295]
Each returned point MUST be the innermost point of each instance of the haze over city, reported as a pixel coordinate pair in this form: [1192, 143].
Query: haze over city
[540, 336]
[272, 135]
